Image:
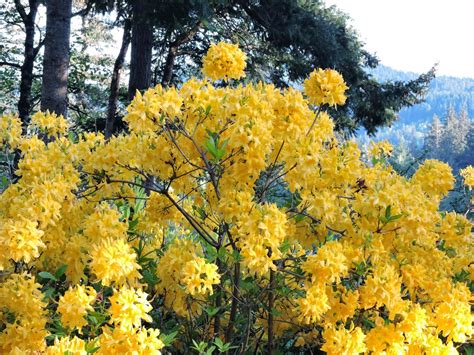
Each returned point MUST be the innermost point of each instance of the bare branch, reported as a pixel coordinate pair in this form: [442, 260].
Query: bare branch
[10, 64]
[21, 10]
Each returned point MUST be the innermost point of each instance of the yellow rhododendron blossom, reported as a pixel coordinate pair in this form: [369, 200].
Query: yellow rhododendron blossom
[20, 240]
[328, 265]
[468, 176]
[224, 61]
[434, 177]
[10, 131]
[199, 276]
[113, 261]
[314, 305]
[377, 149]
[343, 341]
[21, 295]
[67, 345]
[128, 307]
[132, 341]
[49, 124]
[74, 304]
[325, 86]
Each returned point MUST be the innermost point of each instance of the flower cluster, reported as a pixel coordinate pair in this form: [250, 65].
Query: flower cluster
[74, 304]
[383, 148]
[224, 61]
[10, 131]
[468, 176]
[325, 86]
[49, 124]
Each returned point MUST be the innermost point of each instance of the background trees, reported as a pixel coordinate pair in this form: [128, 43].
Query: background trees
[285, 40]
[451, 140]
[56, 56]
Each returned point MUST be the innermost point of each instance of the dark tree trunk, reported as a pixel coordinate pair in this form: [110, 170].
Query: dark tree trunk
[173, 52]
[169, 65]
[115, 83]
[142, 46]
[56, 56]
[30, 52]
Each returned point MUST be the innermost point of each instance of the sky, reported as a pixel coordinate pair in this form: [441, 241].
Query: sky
[413, 35]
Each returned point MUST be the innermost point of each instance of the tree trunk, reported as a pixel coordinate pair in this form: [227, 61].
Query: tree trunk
[142, 45]
[56, 56]
[169, 65]
[115, 83]
[173, 51]
[30, 52]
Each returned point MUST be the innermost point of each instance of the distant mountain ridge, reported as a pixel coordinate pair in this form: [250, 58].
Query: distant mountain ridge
[444, 91]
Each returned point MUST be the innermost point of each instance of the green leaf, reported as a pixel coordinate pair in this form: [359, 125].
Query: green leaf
[276, 312]
[46, 275]
[397, 216]
[236, 256]
[49, 292]
[221, 253]
[211, 311]
[91, 347]
[150, 278]
[219, 343]
[285, 246]
[61, 270]
[168, 339]
[208, 110]
[3, 182]
[299, 218]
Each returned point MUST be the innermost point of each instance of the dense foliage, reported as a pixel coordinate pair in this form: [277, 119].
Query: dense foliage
[230, 218]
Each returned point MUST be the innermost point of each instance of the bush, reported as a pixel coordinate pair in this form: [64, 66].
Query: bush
[232, 219]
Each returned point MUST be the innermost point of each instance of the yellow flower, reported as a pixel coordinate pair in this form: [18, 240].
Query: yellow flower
[328, 265]
[49, 124]
[67, 345]
[468, 175]
[343, 341]
[20, 240]
[74, 305]
[131, 341]
[128, 307]
[434, 177]
[314, 305]
[378, 149]
[103, 223]
[113, 261]
[454, 320]
[199, 276]
[22, 296]
[224, 61]
[10, 131]
[325, 87]
[339, 254]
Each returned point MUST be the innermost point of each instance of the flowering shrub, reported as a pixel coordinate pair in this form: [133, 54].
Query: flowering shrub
[229, 218]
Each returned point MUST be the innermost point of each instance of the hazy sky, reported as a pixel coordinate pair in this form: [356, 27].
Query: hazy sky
[412, 35]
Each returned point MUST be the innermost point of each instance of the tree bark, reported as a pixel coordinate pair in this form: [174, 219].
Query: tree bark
[30, 52]
[56, 56]
[173, 51]
[115, 83]
[142, 46]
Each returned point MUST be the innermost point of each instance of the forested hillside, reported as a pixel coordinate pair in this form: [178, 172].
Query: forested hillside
[444, 91]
